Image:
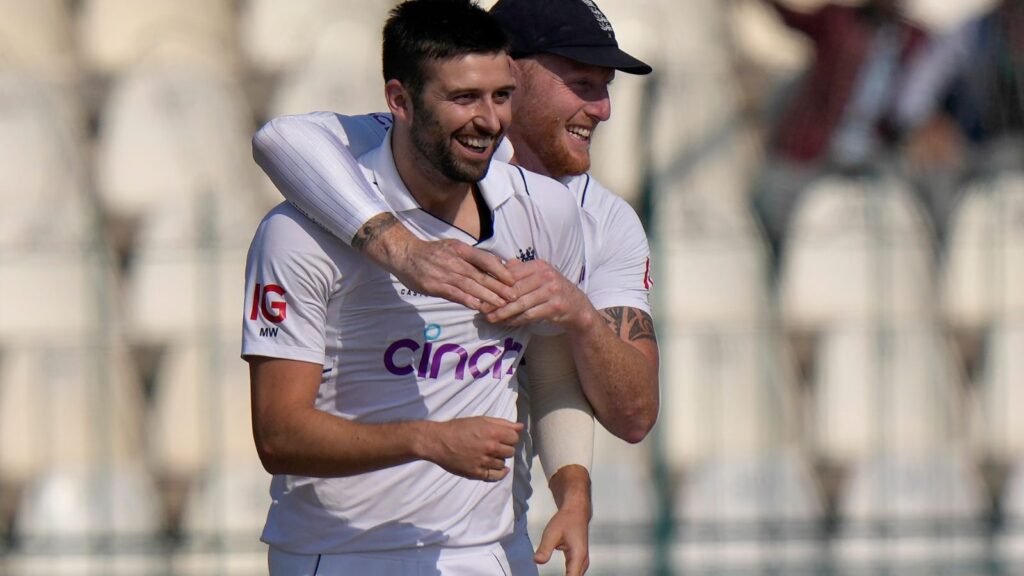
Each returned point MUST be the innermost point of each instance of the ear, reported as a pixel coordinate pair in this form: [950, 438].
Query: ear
[516, 67]
[399, 100]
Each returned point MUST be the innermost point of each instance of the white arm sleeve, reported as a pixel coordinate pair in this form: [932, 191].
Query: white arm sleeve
[563, 421]
[311, 158]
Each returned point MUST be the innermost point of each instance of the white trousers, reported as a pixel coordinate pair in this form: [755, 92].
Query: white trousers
[519, 551]
[511, 557]
[477, 561]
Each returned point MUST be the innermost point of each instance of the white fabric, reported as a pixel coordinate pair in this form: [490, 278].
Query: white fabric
[519, 551]
[321, 301]
[301, 156]
[562, 422]
[618, 256]
[474, 561]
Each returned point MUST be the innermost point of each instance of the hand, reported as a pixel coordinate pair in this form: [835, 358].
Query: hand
[447, 269]
[569, 529]
[474, 448]
[543, 295]
[457, 272]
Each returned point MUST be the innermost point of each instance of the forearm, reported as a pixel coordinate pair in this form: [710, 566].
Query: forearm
[315, 171]
[570, 489]
[563, 421]
[310, 442]
[618, 369]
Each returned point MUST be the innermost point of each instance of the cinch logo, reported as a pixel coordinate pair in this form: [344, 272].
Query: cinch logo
[428, 363]
[272, 310]
[272, 332]
[648, 280]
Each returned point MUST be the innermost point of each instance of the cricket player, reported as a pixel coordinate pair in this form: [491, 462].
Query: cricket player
[387, 416]
[566, 56]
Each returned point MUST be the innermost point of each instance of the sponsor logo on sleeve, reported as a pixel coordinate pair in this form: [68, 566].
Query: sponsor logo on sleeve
[269, 304]
[648, 280]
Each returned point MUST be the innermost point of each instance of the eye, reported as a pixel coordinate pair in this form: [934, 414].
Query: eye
[502, 96]
[464, 98]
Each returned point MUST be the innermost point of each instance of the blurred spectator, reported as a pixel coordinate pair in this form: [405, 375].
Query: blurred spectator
[846, 109]
[986, 89]
[968, 96]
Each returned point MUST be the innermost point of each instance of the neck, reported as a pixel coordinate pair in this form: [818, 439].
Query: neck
[445, 199]
[526, 157]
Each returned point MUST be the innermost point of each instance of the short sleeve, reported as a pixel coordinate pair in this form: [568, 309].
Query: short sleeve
[619, 264]
[289, 280]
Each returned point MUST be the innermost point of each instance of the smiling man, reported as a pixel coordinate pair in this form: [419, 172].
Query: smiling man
[388, 417]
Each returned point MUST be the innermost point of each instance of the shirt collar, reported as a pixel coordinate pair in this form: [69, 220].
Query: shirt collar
[494, 188]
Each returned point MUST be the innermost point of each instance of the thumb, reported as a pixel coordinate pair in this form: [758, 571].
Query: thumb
[548, 542]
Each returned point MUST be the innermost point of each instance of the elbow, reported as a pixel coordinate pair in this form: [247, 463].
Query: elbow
[272, 450]
[264, 142]
[637, 421]
[268, 139]
[270, 459]
[639, 426]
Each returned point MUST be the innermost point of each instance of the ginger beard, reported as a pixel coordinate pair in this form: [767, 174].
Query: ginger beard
[537, 123]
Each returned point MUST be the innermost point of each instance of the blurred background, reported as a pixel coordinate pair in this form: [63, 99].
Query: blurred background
[834, 195]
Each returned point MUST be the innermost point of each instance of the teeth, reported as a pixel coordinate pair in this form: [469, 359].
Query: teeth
[583, 133]
[478, 143]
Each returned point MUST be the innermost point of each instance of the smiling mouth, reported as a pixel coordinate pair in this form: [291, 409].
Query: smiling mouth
[478, 144]
[580, 133]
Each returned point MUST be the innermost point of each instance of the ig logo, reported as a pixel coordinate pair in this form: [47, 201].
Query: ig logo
[268, 300]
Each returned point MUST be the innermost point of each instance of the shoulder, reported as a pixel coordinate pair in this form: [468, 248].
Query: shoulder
[550, 196]
[347, 129]
[603, 205]
[286, 231]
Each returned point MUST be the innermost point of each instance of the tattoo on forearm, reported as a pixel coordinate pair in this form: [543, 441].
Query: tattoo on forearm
[630, 323]
[372, 230]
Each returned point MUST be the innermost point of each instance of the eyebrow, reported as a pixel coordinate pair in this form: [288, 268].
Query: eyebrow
[458, 89]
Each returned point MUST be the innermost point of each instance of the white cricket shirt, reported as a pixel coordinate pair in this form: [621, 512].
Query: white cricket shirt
[391, 354]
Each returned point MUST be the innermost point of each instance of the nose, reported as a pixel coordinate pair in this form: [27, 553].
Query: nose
[600, 108]
[488, 117]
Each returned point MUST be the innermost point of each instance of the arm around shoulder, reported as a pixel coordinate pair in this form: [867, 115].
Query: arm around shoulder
[310, 163]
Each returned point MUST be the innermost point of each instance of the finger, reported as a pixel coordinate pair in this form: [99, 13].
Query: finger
[575, 562]
[548, 540]
[511, 432]
[505, 291]
[513, 309]
[489, 264]
[470, 301]
[505, 450]
[485, 288]
[529, 308]
[497, 475]
[543, 311]
[463, 277]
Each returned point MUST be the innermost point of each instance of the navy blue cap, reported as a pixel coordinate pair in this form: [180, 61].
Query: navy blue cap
[575, 29]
